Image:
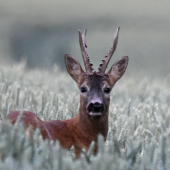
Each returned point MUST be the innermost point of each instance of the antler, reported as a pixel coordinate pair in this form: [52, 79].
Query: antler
[87, 64]
[103, 66]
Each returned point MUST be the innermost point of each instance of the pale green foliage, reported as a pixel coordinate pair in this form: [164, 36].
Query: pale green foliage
[139, 131]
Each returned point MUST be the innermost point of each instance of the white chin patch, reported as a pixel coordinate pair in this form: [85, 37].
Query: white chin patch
[95, 113]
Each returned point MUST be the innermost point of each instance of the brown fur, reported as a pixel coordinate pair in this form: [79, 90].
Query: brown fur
[75, 132]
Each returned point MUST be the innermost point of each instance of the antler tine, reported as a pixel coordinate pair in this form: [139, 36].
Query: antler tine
[103, 66]
[88, 65]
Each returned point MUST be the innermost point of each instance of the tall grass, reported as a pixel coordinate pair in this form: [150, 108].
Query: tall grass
[139, 131]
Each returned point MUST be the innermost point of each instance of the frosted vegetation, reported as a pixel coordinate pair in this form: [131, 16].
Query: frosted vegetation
[139, 130]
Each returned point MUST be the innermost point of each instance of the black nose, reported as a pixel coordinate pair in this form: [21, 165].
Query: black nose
[95, 107]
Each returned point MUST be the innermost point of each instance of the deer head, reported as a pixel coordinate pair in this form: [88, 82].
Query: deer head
[95, 87]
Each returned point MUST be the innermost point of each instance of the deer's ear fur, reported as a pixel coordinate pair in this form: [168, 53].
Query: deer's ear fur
[73, 68]
[117, 70]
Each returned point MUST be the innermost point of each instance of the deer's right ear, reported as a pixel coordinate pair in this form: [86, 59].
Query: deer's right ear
[117, 70]
[73, 68]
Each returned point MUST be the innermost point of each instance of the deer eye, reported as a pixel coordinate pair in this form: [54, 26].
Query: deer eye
[107, 90]
[83, 89]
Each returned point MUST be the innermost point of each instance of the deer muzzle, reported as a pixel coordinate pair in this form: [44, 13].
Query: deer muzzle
[95, 109]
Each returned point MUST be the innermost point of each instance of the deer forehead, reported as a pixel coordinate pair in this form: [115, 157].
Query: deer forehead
[95, 82]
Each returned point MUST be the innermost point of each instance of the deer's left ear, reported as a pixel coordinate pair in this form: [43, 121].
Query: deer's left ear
[117, 70]
[73, 68]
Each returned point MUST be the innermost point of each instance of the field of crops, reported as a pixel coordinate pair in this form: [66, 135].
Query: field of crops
[42, 32]
[139, 124]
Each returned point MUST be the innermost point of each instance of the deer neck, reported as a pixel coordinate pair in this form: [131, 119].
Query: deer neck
[94, 124]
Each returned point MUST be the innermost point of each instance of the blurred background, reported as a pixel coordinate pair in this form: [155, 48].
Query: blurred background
[41, 32]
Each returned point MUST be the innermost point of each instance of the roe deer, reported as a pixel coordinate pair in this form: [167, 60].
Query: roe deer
[92, 118]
